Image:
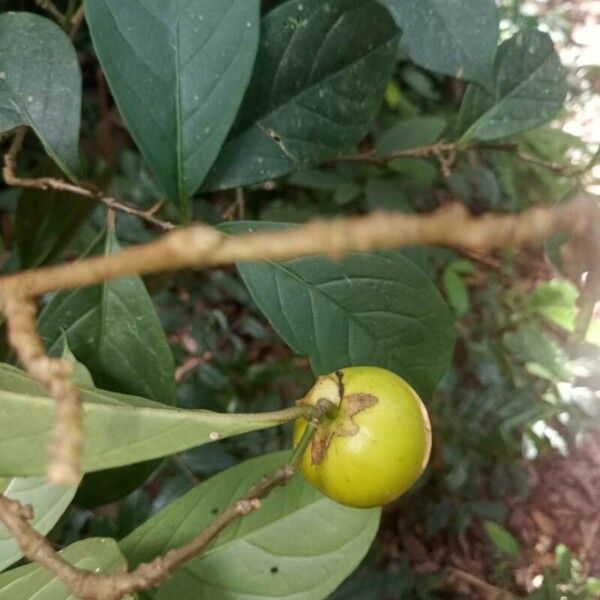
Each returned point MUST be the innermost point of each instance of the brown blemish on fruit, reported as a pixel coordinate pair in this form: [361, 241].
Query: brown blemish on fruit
[343, 425]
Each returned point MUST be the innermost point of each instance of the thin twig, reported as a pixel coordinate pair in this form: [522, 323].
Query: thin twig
[92, 586]
[491, 592]
[51, 183]
[382, 160]
[446, 153]
[76, 21]
[565, 170]
[51, 9]
[238, 206]
[191, 364]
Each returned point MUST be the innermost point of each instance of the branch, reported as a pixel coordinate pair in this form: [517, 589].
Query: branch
[446, 152]
[56, 375]
[51, 183]
[204, 246]
[91, 586]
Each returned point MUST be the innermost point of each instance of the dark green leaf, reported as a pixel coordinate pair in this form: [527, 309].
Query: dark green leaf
[275, 552]
[99, 555]
[114, 331]
[45, 223]
[475, 103]
[119, 429]
[455, 37]
[386, 194]
[530, 88]
[410, 133]
[320, 76]
[477, 187]
[40, 84]
[178, 71]
[366, 309]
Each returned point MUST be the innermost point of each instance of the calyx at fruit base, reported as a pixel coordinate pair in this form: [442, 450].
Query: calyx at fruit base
[340, 424]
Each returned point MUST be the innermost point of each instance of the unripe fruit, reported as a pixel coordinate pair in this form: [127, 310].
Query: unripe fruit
[373, 445]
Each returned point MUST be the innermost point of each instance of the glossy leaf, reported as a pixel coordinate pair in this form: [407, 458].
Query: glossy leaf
[454, 37]
[366, 309]
[299, 545]
[99, 555]
[113, 329]
[40, 84]
[119, 429]
[319, 78]
[530, 88]
[178, 71]
[48, 501]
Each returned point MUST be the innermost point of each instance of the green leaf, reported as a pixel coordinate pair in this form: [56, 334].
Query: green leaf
[178, 71]
[46, 222]
[454, 37]
[366, 309]
[81, 374]
[319, 79]
[592, 585]
[476, 101]
[530, 88]
[556, 301]
[113, 329]
[48, 501]
[477, 187]
[454, 286]
[40, 84]
[299, 544]
[386, 194]
[343, 187]
[99, 555]
[119, 429]
[530, 345]
[502, 539]
[410, 133]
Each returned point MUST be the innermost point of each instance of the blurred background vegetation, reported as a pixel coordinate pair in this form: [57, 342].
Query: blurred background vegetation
[510, 501]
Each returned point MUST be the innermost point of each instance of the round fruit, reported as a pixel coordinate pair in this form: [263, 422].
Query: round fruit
[373, 445]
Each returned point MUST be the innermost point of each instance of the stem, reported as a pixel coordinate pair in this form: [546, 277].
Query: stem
[320, 410]
[281, 416]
